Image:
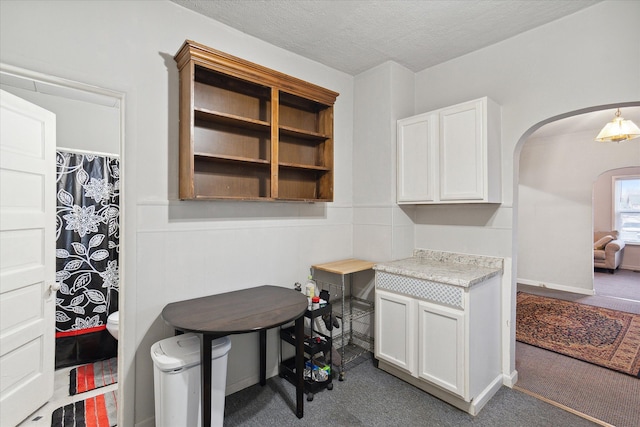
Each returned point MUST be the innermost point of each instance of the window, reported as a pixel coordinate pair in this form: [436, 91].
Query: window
[626, 207]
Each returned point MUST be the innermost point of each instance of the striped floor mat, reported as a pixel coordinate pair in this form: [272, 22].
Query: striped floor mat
[98, 411]
[93, 375]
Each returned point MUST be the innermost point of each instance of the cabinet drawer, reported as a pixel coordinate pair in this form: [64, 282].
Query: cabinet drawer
[424, 289]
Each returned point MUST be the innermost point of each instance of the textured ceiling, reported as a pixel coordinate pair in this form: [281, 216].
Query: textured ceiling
[355, 35]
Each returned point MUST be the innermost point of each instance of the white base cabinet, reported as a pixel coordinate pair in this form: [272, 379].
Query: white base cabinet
[441, 338]
[394, 333]
[441, 349]
[451, 155]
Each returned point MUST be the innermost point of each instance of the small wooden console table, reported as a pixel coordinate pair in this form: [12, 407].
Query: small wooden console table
[237, 312]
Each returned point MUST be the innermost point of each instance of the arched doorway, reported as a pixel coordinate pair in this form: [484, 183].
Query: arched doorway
[555, 165]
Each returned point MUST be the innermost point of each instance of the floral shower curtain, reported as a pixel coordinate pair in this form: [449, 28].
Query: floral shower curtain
[87, 248]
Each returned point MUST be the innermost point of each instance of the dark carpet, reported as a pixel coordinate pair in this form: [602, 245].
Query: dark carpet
[371, 397]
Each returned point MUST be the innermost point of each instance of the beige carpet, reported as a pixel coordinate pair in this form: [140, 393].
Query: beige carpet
[623, 284]
[597, 392]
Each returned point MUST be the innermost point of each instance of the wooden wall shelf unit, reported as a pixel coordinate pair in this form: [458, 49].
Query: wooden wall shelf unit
[251, 133]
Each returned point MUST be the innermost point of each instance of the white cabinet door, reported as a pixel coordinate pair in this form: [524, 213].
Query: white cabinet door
[395, 332]
[462, 152]
[451, 155]
[441, 349]
[417, 159]
[27, 257]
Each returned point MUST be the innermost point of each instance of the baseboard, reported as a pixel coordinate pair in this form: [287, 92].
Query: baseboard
[485, 395]
[241, 385]
[510, 380]
[248, 382]
[556, 287]
[472, 408]
[563, 407]
[149, 422]
[230, 389]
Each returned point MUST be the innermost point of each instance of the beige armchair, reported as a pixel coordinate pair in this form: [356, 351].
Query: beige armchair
[607, 250]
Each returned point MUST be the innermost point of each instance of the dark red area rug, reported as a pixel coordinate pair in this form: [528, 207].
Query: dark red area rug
[602, 336]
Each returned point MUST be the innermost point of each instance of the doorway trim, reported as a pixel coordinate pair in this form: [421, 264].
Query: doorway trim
[509, 365]
[60, 87]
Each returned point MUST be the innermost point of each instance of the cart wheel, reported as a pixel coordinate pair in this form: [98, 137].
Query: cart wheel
[310, 397]
[330, 386]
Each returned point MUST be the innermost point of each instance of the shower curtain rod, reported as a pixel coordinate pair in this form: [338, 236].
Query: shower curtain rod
[95, 153]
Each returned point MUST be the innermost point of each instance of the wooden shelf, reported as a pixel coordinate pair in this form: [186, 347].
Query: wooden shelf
[217, 117]
[232, 159]
[300, 133]
[310, 168]
[251, 133]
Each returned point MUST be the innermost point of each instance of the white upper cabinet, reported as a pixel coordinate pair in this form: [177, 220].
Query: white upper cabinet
[418, 158]
[451, 155]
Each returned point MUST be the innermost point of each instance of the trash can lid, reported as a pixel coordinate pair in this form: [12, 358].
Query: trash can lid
[183, 351]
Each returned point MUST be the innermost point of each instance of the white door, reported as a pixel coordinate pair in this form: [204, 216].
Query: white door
[462, 152]
[441, 357]
[27, 257]
[395, 332]
[417, 158]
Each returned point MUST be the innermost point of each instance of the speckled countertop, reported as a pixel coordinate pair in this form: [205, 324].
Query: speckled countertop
[445, 267]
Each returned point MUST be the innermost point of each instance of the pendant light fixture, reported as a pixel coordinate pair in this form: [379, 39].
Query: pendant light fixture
[618, 130]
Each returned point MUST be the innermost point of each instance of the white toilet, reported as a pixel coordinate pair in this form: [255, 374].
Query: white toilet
[113, 322]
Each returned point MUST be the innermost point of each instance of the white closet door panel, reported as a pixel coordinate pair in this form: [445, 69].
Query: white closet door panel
[417, 158]
[395, 338]
[462, 152]
[27, 257]
[441, 350]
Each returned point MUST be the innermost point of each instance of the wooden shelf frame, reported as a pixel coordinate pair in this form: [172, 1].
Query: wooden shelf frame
[251, 133]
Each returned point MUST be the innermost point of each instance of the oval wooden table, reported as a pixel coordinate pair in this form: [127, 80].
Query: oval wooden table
[248, 310]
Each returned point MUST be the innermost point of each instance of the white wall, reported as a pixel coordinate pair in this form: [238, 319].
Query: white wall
[180, 250]
[602, 211]
[558, 68]
[382, 230]
[80, 125]
[561, 67]
[556, 207]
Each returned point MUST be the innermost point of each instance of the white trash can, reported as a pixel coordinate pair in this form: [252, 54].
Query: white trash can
[177, 378]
